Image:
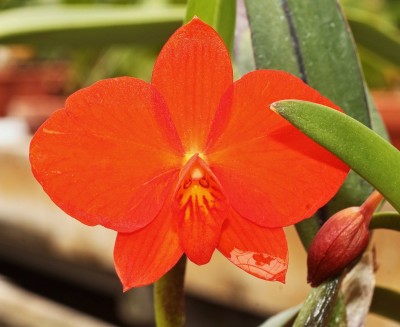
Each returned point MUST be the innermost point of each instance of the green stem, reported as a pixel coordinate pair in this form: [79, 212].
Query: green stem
[307, 229]
[386, 220]
[317, 309]
[169, 297]
[338, 317]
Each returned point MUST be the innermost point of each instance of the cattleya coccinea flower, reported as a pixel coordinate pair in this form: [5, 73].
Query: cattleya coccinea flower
[187, 164]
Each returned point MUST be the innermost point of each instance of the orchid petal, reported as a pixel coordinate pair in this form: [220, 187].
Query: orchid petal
[271, 173]
[260, 251]
[192, 72]
[111, 156]
[144, 256]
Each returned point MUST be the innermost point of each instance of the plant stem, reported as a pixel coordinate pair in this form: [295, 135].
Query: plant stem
[169, 297]
[317, 309]
[386, 220]
[307, 230]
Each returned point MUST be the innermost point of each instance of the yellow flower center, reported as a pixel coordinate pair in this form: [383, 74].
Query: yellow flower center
[199, 194]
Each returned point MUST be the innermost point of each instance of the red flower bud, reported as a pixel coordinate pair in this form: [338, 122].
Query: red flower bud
[340, 241]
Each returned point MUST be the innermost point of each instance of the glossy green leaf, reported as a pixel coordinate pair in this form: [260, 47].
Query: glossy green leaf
[220, 14]
[90, 24]
[368, 154]
[385, 220]
[385, 302]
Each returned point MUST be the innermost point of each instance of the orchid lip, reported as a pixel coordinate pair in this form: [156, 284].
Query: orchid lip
[200, 208]
[197, 183]
[197, 172]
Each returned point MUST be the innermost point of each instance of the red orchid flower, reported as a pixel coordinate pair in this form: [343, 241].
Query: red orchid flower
[187, 164]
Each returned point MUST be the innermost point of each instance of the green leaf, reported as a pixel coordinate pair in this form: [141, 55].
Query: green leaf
[368, 154]
[385, 302]
[354, 189]
[273, 43]
[385, 220]
[311, 39]
[90, 24]
[220, 14]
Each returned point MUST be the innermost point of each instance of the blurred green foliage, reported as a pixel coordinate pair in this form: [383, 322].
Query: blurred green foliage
[389, 9]
[91, 65]
[7, 4]
[374, 22]
[382, 16]
[131, 50]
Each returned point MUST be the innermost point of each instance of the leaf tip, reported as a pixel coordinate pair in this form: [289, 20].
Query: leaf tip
[276, 107]
[279, 107]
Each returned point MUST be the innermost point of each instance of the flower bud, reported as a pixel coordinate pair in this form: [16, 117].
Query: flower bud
[340, 241]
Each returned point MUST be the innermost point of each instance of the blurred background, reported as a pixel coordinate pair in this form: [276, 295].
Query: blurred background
[56, 272]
